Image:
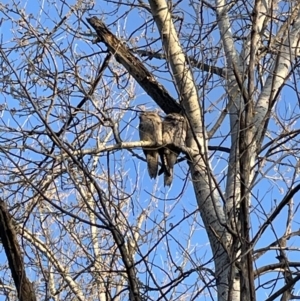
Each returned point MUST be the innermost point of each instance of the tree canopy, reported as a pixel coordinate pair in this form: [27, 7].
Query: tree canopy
[80, 219]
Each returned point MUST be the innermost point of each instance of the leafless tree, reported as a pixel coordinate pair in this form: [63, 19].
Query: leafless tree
[80, 218]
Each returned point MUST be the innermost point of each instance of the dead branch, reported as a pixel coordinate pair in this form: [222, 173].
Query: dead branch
[135, 68]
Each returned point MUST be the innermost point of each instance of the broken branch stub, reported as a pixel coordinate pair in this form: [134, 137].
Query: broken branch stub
[135, 68]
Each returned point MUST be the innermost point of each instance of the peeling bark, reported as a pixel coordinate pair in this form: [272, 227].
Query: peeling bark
[135, 67]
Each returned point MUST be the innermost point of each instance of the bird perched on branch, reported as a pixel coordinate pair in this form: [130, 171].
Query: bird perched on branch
[150, 129]
[174, 128]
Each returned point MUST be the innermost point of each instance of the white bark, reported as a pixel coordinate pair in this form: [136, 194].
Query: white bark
[262, 11]
[40, 166]
[51, 257]
[94, 234]
[240, 66]
[208, 197]
[187, 91]
[247, 62]
[232, 60]
[278, 75]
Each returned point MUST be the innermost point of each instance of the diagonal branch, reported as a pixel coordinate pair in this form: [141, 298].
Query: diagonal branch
[275, 213]
[14, 256]
[135, 67]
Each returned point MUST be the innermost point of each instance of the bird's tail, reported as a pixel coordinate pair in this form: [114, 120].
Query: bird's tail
[152, 162]
[168, 177]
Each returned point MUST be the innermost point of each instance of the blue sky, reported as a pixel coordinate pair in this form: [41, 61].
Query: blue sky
[168, 202]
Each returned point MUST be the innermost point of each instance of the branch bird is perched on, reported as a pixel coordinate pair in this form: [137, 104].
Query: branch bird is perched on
[174, 130]
[150, 129]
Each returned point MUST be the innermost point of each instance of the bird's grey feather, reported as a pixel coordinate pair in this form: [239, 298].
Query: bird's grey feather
[174, 128]
[150, 130]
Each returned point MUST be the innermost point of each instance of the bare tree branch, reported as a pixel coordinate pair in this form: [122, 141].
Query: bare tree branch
[12, 249]
[123, 55]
